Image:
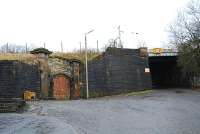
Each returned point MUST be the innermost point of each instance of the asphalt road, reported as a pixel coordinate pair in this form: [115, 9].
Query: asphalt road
[160, 112]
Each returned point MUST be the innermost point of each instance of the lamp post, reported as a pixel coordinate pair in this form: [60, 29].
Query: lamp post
[136, 36]
[86, 64]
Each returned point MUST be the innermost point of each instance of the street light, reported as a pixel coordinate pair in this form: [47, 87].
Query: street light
[86, 64]
[136, 36]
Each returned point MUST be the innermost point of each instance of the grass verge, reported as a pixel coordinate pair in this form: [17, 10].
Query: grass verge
[139, 93]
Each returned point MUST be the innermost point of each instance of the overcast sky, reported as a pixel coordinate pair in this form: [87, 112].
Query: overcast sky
[53, 21]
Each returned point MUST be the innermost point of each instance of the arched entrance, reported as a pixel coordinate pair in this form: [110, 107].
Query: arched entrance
[61, 87]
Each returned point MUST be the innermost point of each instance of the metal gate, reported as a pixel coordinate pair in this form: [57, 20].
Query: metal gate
[61, 87]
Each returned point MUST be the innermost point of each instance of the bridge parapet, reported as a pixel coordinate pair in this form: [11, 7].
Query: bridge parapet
[162, 52]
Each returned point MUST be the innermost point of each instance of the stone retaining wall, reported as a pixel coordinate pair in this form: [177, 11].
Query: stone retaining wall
[16, 77]
[117, 71]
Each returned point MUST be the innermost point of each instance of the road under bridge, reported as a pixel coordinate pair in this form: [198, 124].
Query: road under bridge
[165, 72]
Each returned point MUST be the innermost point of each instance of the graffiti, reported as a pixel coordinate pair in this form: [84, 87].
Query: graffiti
[162, 52]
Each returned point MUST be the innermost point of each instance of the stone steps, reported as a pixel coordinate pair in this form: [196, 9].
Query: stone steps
[10, 105]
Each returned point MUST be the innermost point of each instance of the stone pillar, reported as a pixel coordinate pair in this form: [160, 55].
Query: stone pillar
[42, 58]
[143, 51]
[75, 88]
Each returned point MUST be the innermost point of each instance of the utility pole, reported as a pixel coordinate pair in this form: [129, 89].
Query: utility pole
[61, 47]
[119, 36]
[86, 65]
[7, 48]
[136, 36]
[44, 45]
[80, 46]
[97, 46]
[26, 48]
[86, 68]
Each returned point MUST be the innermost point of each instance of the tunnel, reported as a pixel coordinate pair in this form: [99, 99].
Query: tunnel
[165, 72]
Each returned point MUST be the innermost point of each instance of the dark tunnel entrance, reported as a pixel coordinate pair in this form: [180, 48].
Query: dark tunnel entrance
[165, 73]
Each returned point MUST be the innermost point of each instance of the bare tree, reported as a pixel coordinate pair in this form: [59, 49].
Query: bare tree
[13, 48]
[185, 35]
[141, 43]
[113, 43]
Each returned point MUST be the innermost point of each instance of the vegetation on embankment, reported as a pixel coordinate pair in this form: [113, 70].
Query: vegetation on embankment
[77, 55]
[26, 58]
[30, 58]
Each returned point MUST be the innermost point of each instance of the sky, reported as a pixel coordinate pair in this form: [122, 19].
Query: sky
[36, 22]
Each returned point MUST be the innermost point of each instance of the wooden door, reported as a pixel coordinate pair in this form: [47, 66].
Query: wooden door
[61, 87]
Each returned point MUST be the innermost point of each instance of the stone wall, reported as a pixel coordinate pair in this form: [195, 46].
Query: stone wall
[69, 68]
[118, 71]
[59, 65]
[16, 77]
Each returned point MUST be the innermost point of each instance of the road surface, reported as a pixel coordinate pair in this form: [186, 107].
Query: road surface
[160, 112]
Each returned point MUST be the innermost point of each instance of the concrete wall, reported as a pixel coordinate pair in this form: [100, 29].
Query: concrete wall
[118, 71]
[15, 77]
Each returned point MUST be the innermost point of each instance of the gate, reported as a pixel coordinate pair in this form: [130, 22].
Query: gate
[61, 87]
